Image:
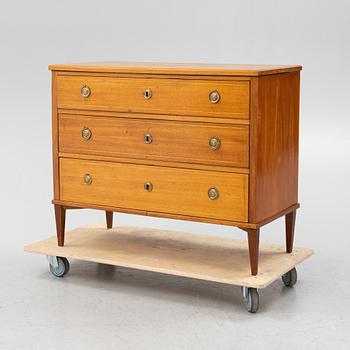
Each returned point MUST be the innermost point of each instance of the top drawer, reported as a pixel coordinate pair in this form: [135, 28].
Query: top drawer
[227, 99]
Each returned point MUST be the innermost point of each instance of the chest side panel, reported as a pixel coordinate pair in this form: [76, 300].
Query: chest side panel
[274, 145]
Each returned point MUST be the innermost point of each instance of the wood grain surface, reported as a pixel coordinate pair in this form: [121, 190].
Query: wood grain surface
[54, 126]
[171, 140]
[177, 68]
[274, 145]
[166, 163]
[176, 191]
[125, 115]
[169, 96]
[204, 257]
[79, 205]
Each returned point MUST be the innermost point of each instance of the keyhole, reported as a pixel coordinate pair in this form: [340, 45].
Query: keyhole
[147, 94]
[148, 138]
[148, 186]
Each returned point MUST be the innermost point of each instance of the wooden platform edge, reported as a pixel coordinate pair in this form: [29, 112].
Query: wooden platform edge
[262, 280]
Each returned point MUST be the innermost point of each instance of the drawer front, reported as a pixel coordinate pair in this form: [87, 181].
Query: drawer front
[161, 140]
[159, 96]
[169, 190]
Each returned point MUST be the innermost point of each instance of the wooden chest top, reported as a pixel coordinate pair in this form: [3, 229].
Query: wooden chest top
[249, 70]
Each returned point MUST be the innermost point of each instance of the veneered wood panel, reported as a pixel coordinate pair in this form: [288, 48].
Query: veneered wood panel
[54, 121]
[169, 96]
[184, 118]
[177, 191]
[177, 68]
[227, 169]
[77, 205]
[274, 145]
[171, 140]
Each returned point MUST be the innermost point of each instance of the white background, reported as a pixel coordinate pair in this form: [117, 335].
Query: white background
[134, 310]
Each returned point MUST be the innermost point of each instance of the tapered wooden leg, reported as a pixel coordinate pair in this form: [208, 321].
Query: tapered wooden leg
[60, 214]
[253, 243]
[290, 225]
[109, 219]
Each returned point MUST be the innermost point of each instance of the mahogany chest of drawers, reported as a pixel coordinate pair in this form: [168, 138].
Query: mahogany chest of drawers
[210, 143]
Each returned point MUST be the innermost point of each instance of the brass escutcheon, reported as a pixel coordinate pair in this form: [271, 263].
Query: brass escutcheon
[148, 186]
[147, 94]
[148, 138]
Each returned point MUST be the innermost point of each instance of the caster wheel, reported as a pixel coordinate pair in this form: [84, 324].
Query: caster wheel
[290, 278]
[251, 299]
[62, 267]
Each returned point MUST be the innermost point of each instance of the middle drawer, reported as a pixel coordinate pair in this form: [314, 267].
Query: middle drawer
[188, 142]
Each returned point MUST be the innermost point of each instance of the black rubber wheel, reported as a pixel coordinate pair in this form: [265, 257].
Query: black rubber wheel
[62, 269]
[290, 278]
[251, 301]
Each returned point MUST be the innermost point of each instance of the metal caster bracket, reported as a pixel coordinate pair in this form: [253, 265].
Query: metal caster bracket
[53, 261]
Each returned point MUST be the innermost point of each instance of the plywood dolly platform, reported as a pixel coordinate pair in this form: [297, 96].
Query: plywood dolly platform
[217, 259]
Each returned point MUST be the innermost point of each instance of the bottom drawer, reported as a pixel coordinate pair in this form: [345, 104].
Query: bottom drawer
[157, 189]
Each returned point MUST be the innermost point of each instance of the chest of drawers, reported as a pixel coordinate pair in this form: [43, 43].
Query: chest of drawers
[209, 143]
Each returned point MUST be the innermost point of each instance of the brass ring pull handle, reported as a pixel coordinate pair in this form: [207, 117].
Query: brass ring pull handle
[148, 186]
[214, 143]
[87, 179]
[85, 91]
[213, 193]
[147, 94]
[86, 134]
[148, 138]
[214, 96]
